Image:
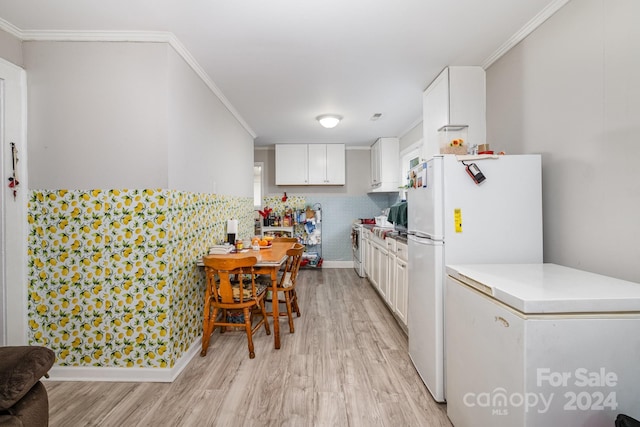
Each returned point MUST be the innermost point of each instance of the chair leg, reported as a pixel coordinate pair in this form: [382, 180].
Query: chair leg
[287, 300]
[263, 310]
[223, 328]
[247, 326]
[295, 302]
[207, 330]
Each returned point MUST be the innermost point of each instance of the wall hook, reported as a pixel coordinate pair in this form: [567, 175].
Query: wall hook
[13, 179]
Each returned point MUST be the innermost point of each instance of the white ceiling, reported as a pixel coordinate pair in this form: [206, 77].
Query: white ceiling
[281, 63]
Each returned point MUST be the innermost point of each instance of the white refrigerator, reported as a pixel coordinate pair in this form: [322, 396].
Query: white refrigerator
[454, 220]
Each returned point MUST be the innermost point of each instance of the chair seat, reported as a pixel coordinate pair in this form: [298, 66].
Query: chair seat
[286, 283]
[246, 290]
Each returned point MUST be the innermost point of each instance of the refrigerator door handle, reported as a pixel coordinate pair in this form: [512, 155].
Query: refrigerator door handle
[421, 235]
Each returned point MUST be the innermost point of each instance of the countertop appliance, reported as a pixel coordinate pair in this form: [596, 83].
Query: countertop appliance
[540, 345]
[454, 220]
[357, 248]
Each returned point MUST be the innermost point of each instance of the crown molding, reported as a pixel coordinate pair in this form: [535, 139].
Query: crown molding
[10, 28]
[527, 29]
[130, 36]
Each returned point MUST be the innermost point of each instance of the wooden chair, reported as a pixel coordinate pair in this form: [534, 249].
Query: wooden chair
[287, 283]
[224, 297]
[286, 239]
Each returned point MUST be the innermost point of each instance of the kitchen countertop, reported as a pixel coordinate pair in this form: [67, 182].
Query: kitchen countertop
[392, 234]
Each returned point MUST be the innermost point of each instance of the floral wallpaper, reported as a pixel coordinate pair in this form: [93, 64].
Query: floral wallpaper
[275, 202]
[112, 274]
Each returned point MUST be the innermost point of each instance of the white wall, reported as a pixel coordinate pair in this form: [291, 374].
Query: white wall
[10, 48]
[209, 150]
[97, 114]
[411, 137]
[129, 115]
[571, 92]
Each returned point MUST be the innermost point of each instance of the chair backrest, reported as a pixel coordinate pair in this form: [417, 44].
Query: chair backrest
[224, 268]
[286, 239]
[291, 266]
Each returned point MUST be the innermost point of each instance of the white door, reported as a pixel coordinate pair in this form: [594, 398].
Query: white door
[425, 312]
[3, 291]
[13, 234]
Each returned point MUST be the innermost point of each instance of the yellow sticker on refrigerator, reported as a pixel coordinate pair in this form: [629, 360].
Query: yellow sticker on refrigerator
[457, 219]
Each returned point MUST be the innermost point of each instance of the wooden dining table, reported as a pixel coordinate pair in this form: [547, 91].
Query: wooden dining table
[270, 260]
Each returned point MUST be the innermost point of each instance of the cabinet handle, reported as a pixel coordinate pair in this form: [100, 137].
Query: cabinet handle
[502, 320]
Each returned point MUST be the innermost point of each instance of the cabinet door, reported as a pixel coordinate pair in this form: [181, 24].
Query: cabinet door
[375, 164]
[335, 164]
[435, 108]
[383, 283]
[375, 269]
[365, 255]
[402, 294]
[392, 280]
[389, 161]
[291, 164]
[467, 101]
[326, 164]
[456, 97]
[385, 172]
[317, 164]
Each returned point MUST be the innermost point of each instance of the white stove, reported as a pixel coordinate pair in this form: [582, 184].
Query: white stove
[356, 244]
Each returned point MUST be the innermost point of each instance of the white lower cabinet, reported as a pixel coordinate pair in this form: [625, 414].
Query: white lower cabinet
[386, 268]
[402, 283]
[391, 273]
[366, 240]
[380, 269]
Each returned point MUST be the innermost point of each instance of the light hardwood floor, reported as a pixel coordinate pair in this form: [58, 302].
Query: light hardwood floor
[346, 365]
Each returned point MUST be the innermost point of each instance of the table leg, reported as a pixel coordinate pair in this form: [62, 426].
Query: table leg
[274, 308]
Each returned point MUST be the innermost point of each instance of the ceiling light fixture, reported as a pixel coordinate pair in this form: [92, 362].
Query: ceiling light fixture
[329, 120]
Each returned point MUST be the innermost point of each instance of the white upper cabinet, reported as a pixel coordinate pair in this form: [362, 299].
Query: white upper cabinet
[456, 97]
[326, 164]
[385, 165]
[310, 164]
[291, 164]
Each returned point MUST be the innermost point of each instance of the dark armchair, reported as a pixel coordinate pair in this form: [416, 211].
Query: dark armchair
[23, 398]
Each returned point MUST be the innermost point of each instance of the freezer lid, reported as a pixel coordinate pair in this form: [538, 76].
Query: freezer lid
[550, 288]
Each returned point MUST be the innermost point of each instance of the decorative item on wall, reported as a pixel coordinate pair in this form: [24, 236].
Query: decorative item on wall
[13, 179]
[265, 212]
[277, 205]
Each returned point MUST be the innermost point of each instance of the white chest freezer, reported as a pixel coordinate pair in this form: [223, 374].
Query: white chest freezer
[540, 345]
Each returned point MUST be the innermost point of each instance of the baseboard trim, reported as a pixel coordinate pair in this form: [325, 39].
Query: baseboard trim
[117, 374]
[337, 264]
